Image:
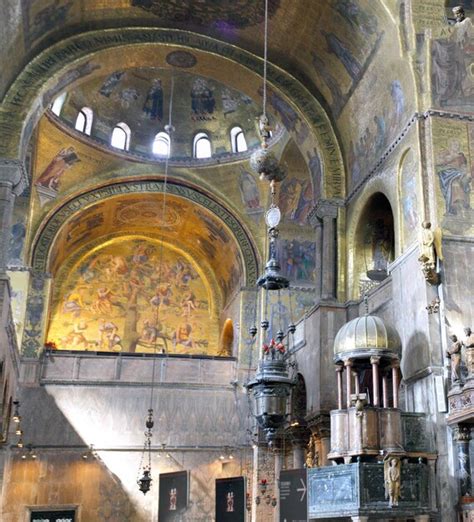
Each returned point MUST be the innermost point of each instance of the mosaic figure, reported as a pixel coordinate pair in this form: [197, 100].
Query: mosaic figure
[153, 106]
[454, 177]
[51, 176]
[341, 50]
[111, 83]
[202, 98]
[249, 190]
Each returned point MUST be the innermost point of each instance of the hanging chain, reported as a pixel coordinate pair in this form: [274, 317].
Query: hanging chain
[149, 423]
[169, 128]
[265, 52]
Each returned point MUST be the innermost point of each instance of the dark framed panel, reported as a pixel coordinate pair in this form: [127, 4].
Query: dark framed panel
[230, 499]
[68, 515]
[173, 496]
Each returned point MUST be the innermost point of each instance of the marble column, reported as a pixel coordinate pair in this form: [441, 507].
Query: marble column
[339, 370]
[374, 361]
[395, 382]
[355, 375]
[348, 366]
[462, 438]
[255, 478]
[299, 436]
[385, 390]
[298, 456]
[323, 218]
[278, 456]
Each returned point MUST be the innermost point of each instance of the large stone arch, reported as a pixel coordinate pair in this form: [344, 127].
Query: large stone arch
[27, 97]
[48, 232]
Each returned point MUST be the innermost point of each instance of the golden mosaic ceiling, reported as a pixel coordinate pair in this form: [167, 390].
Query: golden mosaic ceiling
[330, 41]
[141, 97]
[190, 229]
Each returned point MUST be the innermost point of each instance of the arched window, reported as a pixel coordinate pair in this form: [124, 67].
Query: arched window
[202, 146]
[84, 120]
[161, 144]
[237, 139]
[121, 136]
[58, 103]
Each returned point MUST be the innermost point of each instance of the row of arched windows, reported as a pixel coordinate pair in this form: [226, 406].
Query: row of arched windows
[121, 134]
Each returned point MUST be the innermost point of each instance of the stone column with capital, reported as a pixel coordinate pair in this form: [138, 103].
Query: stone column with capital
[462, 437]
[374, 361]
[299, 436]
[323, 218]
[348, 366]
[320, 426]
[339, 370]
[395, 382]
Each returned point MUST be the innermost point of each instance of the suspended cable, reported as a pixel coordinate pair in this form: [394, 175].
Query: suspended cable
[265, 54]
[144, 481]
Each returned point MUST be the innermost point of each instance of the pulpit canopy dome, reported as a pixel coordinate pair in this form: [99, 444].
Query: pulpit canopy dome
[367, 336]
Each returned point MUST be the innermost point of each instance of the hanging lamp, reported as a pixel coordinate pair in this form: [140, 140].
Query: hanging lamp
[271, 386]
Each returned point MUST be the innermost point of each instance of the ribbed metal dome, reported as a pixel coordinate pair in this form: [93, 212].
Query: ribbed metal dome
[365, 336]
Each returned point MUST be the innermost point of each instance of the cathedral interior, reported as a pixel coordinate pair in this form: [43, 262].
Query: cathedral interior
[235, 263]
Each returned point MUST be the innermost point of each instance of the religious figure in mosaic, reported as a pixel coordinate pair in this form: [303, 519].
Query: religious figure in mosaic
[454, 177]
[51, 176]
[153, 106]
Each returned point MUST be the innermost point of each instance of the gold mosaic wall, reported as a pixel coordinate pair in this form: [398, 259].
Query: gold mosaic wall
[133, 295]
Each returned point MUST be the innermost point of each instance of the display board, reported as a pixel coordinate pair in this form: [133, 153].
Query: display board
[293, 495]
[174, 494]
[230, 499]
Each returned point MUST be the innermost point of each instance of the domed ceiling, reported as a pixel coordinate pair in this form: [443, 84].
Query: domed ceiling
[190, 228]
[141, 97]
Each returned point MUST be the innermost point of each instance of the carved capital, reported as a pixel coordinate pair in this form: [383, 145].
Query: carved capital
[319, 424]
[462, 433]
[429, 273]
[348, 363]
[13, 172]
[327, 208]
[375, 359]
[339, 368]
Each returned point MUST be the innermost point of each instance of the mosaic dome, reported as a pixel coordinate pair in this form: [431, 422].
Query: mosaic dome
[140, 99]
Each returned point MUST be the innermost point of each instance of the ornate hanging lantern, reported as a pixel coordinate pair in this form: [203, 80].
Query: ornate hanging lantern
[272, 383]
[144, 481]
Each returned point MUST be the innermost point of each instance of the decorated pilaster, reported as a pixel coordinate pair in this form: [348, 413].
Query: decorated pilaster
[35, 319]
[462, 438]
[12, 182]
